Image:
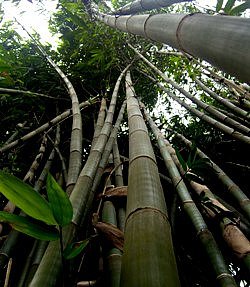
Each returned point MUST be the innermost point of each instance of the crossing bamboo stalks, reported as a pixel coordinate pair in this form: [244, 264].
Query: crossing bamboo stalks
[45, 126]
[194, 34]
[138, 6]
[148, 258]
[113, 255]
[49, 269]
[99, 122]
[233, 188]
[217, 262]
[223, 101]
[218, 125]
[204, 106]
[19, 127]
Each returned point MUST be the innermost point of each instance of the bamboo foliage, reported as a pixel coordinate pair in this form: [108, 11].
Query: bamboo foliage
[217, 262]
[138, 6]
[148, 258]
[231, 186]
[45, 126]
[194, 34]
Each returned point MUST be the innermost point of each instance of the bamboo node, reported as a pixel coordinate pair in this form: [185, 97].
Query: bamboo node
[223, 275]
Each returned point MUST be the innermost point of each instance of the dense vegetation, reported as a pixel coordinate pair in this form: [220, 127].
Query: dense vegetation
[93, 56]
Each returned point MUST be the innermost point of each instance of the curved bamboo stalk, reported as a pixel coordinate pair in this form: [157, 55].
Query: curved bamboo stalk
[147, 227]
[99, 122]
[199, 103]
[113, 255]
[31, 94]
[223, 101]
[49, 270]
[45, 126]
[217, 262]
[232, 187]
[138, 6]
[195, 34]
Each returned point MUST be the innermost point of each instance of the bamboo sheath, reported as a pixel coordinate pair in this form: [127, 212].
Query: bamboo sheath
[45, 126]
[217, 262]
[138, 6]
[148, 258]
[233, 188]
[49, 270]
[200, 35]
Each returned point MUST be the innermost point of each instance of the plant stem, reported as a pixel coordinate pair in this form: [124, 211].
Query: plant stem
[63, 261]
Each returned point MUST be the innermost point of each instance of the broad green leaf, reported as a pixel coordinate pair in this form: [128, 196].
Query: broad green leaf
[181, 160]
[202, 163]
[219, 5]
[240, 8]
[26, 198]
[25, 225]
[74, 249]
[229, 5]
[192, 155]
[59, 202]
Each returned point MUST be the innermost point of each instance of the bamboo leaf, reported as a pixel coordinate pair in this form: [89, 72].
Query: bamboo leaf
[181, 160]
[219, 5]
[25, 225]
[74, 249]
[59, 202]
[229, 5]
[240, 8]
[26, 198]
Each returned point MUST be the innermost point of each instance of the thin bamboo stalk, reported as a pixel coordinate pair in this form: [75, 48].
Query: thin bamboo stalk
[147, 227]
[45, 126]
[204, 106]
[186, 33]
[138, 6]
[213, 252]
[223, 101]
[49, 270]
[15, 134]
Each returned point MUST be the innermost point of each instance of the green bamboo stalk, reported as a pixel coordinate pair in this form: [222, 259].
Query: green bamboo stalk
[50, 268]
[121, 212]
[138, 6]
[202, 116]
[231, 187]
[205, 236]
[45, 126]
[113, 255]
[148, 258]
[204, 106]
[99, 122]
[186, 33]
[223, 101]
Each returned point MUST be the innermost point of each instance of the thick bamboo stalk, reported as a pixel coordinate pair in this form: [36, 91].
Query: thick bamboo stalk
[217, 262]
[232, 187]
[113, 255]
[148, 258]
[223, 101]
[138, 6]
[197, 34]
[45, 126]
[49, 270]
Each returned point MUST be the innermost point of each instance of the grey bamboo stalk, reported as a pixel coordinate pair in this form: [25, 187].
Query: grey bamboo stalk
[186, 33]
[206, 118]
[232, 187]
[19, 127]
[138, 6]
[231, 234]
[146, 211]
[49, 270]
[31, 94]
[99, 122]
[45, 126]
[113, 255]
[217, 262]
[223, 101]
[204, 106]
[75, 156]
[121, 212]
